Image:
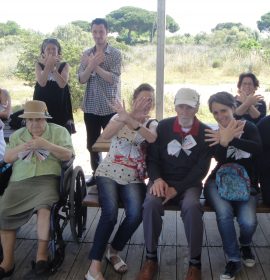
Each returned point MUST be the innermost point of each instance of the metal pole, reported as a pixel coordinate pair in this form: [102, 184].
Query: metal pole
[161, 26]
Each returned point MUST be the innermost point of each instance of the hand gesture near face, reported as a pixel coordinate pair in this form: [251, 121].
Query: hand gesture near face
[233, 130]
[120, 109]
[93, 60]
[253, 99]
[212, 137]
[225, 135]
[141, 107]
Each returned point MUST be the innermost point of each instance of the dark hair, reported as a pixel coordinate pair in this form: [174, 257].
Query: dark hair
[223, 98]
[248, 75]
[50, 41]
[99, 21]
[144, 87]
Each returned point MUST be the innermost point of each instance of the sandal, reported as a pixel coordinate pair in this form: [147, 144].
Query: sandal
[98, 276]
[119, 265]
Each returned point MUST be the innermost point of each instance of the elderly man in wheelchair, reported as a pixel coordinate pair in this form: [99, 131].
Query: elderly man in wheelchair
[36, 153]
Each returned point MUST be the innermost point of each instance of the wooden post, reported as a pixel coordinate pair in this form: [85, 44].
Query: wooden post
[161, 26]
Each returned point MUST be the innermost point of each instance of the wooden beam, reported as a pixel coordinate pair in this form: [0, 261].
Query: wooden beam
[161, 26]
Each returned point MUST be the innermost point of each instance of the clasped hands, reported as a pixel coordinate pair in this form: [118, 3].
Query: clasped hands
[93, 60]
[161, 189]
[36, 143]
[251, 99]
[51, 61]
[224, 135]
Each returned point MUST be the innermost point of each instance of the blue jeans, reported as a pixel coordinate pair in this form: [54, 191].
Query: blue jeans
[132, 196]
[245, 212]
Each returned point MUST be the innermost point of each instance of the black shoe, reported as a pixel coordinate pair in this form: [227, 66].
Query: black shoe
[42, 268]
[247, 256]
[230, 270]
[4, 274]
[91, 181]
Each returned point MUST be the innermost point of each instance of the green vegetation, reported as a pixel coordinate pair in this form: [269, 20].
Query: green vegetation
[214, 58]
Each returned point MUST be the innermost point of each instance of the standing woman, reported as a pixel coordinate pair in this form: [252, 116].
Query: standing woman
[250, 106]
[52, 84]
[236, 142]
[120, 176]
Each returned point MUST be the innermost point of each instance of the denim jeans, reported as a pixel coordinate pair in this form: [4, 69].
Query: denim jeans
[132, 196]
[245, 212]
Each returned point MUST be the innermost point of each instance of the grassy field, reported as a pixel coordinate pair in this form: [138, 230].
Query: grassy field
[208, 70]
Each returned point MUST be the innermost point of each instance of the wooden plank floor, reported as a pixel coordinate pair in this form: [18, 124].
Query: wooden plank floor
[173, 251]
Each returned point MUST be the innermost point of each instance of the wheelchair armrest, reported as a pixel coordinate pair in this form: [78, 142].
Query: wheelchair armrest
[66, 164]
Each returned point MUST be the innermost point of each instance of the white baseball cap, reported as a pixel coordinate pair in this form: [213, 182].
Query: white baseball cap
[187, 96]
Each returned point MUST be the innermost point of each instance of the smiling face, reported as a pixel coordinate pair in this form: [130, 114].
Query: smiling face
[50, 49]
[36, 126]
[223, 114]
[247, 86]
[99, 34]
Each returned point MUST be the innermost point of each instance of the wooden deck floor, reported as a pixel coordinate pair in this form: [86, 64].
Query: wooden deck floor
[173, 252]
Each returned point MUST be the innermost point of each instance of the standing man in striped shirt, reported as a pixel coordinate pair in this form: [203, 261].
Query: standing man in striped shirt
[100, 69]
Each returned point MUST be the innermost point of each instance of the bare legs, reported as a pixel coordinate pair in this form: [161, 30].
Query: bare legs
[8, 239]
[43, 232]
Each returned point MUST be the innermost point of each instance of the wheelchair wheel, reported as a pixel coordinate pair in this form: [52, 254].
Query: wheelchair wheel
[58, 222]
[78, 212]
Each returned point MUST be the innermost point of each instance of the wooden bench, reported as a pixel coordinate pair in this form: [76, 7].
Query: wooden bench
[91, 200]
[101, 145]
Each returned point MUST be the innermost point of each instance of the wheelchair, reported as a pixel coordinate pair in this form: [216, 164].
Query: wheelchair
[68, 209]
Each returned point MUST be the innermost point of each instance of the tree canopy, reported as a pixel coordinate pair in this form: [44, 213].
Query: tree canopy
[264, 23]
[9, 28]
[128, 19]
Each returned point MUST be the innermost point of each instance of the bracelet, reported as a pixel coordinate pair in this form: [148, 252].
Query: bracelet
[138, 127]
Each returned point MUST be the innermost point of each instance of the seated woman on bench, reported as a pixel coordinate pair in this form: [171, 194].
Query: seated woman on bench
[236, 144]
[5, 104]
[121, 177]
[36, 152]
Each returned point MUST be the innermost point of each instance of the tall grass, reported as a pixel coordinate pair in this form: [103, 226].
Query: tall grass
[183, 64]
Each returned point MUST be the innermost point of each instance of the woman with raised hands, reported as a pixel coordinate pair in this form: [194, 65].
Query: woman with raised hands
[120, 177]
[236, 144]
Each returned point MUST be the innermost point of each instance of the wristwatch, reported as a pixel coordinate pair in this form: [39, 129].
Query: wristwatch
[138, 127]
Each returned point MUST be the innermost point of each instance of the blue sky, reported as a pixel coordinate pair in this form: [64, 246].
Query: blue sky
[193, 16]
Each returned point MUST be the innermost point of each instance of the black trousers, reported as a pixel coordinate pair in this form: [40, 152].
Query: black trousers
[93, 124]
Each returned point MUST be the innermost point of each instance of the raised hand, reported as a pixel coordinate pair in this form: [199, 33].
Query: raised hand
[141, 108]
[253, 99]
[233, 130]
[212, 137]
[120, 109]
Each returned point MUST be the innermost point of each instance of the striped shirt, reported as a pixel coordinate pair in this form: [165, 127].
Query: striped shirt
[100, 93]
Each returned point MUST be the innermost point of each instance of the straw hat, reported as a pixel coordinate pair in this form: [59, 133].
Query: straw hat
[35, 109]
